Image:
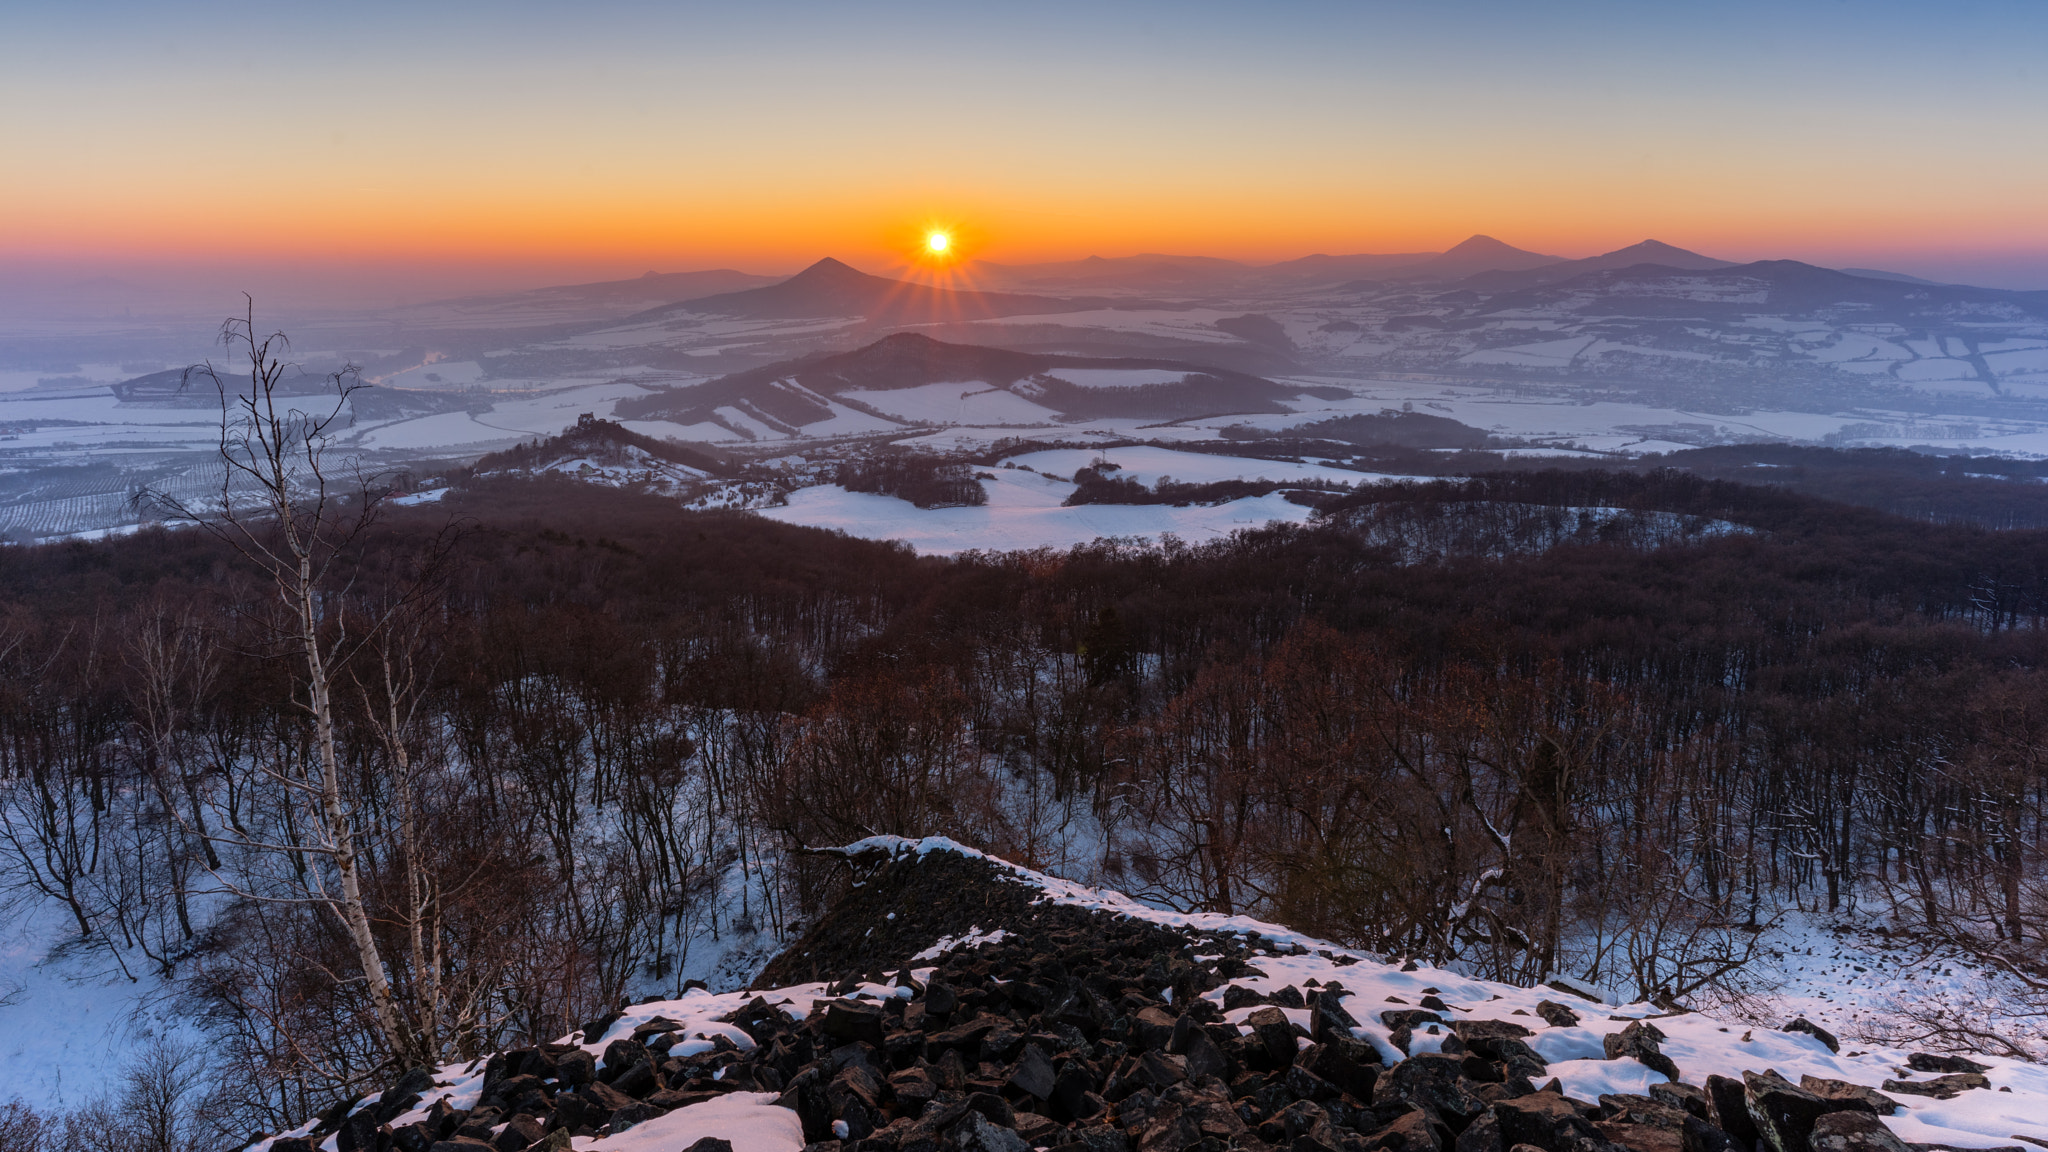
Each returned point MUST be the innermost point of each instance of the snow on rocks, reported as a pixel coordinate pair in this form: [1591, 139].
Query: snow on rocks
[1087, 1022]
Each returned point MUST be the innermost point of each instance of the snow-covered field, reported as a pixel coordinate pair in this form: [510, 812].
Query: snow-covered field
[1149, 465]
[1023, 511]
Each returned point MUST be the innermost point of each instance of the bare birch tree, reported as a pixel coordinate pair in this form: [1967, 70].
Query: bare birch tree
[296, 513]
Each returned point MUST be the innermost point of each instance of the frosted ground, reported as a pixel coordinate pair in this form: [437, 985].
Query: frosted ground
[1699, 1043]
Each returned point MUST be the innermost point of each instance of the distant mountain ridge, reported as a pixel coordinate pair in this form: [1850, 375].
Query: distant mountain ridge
[831, 288]
[1647, 252]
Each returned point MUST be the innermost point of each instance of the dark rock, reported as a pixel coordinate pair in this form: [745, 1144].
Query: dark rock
[1276, 1035]
[912, 1088]
[1337, 1064]
[710, 1144]
[1855, 1131]
[1784, 1115]
[1640, 1041]
[1640, 1137]
[595, 1030]
[1557, 1015]
[637, 1112]
[1431, 1081]
[293, 1144]
[1152, 1028]
[940, 999]
[1819, 1033]
[513, 1088]
[975, 1133]
[620, 1055]
[1929, 1062]
[1471, 1031]
[1001, 1043]
[1040, 1130]
[1073, 1094]
[573, 1110]
[964, 1037]
[1034, 1073]
[1238, 996]
[1546, 1120]
[1728, 1106]
[1941, 1087]
[1482, 1135]
[1410, 1132]
[605, 1097]
[459, 1144]
[853, 1020]
[994, 1107]
[578, 1067]
[654, 1027]
[1686, 1097]
[1850, 1096]
[519, 1133]
[415, 1137]
[1701, 1136]
[358, 1133]
[1633, 1109]
[1409, 1018]
[637, 1081]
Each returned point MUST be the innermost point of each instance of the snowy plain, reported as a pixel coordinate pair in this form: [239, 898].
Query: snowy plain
[1024, 511]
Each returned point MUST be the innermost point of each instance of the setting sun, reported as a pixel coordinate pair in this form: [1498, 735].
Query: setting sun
[937, 243]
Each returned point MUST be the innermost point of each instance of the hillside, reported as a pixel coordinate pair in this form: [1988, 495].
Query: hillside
[831, 288]
[909, 379]
[952, 1000]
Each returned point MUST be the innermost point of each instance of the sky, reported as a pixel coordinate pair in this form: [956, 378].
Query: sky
[419, 146]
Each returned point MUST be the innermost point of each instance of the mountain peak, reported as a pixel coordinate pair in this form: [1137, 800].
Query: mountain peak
[828, 270]
[1479, 244]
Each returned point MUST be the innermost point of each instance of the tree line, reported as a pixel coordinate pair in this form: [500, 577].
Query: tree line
[570, 736]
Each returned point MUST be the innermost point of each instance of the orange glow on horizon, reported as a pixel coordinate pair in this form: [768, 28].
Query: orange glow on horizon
[605, 228]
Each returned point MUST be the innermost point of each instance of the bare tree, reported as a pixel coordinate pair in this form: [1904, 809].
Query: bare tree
[297, 515]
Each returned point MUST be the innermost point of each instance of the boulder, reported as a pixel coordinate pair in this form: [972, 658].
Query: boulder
[1855, 1131]
[1557, 1015]
[1728, 1106]
[520, 1132]
[1276, 1035]
[1784, 1114]
[1686, 1097]
[1941, 1087]
[974, 1133]
[1802, 1024]
[1434, 1082]
[1853, 1097]
[852, 1020]
[1543, 1119]
[577, 1067]
[638, 1112]
[1034, 1073]
[1409, 1132]
[1929, 1062]
[1641, 1137]
[1640, 1041]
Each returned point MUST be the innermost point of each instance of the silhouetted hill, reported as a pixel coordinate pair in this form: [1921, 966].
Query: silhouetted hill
[1473, 255]
[1652, 252]
[831, 288]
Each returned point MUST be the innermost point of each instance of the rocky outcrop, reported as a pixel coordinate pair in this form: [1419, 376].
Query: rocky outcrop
[1082, 1031]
